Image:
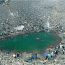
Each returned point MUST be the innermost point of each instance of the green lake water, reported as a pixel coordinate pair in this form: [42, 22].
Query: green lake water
[29, 42]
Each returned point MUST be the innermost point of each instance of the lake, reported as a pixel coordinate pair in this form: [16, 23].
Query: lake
[29, 42]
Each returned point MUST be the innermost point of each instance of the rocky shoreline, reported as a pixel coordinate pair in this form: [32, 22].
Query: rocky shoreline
[8, 58]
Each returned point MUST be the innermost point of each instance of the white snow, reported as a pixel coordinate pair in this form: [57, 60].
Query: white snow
[19, 27]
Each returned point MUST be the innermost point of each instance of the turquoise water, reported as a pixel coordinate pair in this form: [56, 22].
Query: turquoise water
[29, 42]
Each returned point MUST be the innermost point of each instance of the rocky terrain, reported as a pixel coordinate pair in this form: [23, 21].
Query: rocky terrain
[33, 14]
